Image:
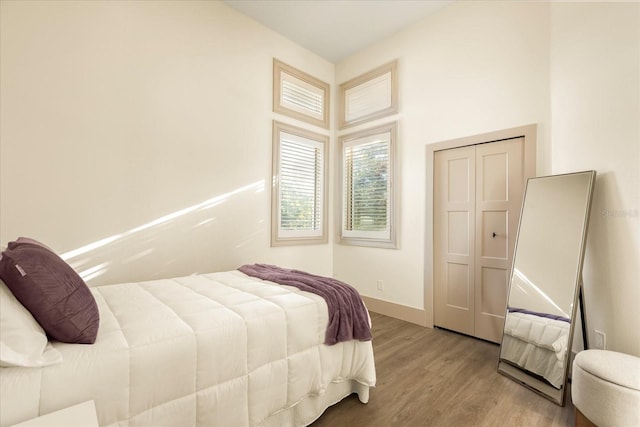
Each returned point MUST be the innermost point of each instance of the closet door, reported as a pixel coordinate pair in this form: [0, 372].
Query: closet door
[499, 188]
[454, 231]
[477, 200]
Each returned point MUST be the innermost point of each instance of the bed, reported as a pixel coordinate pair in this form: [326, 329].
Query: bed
[219, 349]
[537, 343]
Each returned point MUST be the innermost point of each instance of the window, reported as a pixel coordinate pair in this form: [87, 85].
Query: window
[369, 187]
[299, 208]
[369, 96]
[299, 95]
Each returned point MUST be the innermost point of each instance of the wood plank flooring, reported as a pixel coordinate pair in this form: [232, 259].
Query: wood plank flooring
[434, 377]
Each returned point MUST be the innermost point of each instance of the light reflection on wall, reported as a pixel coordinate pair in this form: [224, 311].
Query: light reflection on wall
[149, 250]
[537, 300]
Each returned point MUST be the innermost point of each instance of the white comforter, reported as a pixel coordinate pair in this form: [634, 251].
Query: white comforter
[537, 344]
[540, 331]
[220, 349]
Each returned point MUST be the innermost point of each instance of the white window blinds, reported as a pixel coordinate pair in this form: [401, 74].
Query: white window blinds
[368, 98]
[301, 96]
[301, 182]
[367, 187]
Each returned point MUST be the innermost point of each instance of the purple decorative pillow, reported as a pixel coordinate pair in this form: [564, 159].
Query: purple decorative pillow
[51, 290]
[21, 240]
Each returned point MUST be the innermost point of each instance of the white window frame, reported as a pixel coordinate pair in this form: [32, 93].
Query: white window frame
[283, 75]
[381, 239]
[280, 236]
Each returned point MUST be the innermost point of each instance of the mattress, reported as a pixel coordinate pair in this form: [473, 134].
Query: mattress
[219, 349]
[537, 344]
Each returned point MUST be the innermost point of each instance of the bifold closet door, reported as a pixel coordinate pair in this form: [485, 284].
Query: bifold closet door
[499, 192]
[477, 199]
[454, 236]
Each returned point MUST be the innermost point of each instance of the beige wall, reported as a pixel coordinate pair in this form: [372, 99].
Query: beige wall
[595, 105]
[144, 127]
[472, 68]
[123, 123]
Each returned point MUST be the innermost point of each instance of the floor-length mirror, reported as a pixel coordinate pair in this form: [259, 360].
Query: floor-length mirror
[545, 282]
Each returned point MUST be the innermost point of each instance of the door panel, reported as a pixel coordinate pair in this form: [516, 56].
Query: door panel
[494, 167]
[499, 187]
[454, 228]
[458, 233]
[458, 279]
[458, 170]
[494, 225]
[493, 299]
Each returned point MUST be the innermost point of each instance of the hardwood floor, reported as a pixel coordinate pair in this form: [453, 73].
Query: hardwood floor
[434, 377]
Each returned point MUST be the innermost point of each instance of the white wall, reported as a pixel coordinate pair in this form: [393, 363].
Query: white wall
[595, 105]
[472, 68]
[116, 114]
[144, 127]
[574, 69]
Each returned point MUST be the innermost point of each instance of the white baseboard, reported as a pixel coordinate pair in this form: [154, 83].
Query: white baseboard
[397, 311]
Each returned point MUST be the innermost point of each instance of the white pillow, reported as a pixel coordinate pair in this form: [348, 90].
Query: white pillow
[23, 342]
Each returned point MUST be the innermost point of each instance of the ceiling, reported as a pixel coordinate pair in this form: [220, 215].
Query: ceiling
[336, 29]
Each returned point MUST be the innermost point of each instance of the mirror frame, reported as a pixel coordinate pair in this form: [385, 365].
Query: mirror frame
[520, 375]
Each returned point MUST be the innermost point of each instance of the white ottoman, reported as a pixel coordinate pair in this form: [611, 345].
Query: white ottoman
[605, 388]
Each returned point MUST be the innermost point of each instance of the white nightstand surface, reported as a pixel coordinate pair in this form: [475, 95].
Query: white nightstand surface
[81, 415]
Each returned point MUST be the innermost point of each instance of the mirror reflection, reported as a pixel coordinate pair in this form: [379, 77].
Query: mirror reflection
[545, 282]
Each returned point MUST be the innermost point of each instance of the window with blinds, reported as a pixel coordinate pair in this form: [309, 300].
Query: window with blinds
[300, 95]
[299, 204]
[369, 96]
[368, 187]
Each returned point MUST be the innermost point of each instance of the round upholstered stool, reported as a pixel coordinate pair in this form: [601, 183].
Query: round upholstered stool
[605, 388]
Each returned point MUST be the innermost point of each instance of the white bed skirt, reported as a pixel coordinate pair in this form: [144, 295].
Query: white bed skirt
[311, 408]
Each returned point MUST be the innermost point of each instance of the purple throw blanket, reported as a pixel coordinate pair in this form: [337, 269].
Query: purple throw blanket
[348, 317]
[536, 313]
